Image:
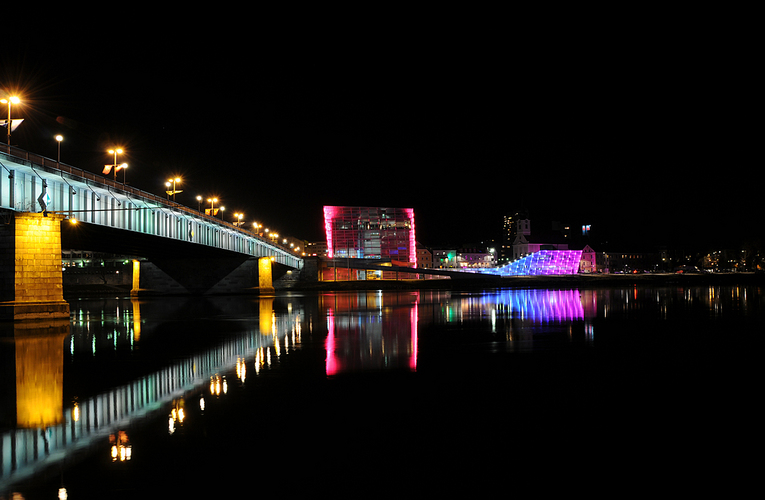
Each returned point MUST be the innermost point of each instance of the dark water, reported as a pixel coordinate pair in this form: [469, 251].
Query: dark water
[369, 394]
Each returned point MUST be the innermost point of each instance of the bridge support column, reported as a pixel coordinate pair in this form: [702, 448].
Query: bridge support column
[265, 275]
[31, 287]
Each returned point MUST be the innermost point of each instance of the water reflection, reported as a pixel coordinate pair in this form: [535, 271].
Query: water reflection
[103, 339]
[93, 382]
[370, 331]
[379, 330]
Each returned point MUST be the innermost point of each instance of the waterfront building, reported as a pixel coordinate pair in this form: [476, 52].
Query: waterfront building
[514, 224]
[589, 262]
[386, 234]
[526, 244]
[424, 257]
[445, 258]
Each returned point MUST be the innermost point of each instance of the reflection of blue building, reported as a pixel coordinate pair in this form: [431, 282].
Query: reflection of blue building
[544, 306]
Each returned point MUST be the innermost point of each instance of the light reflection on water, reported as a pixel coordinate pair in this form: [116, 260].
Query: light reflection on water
[126, 360]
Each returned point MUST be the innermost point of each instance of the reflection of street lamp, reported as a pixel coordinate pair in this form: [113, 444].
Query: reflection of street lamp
[173, 192]
[9, 101]
[121, 448]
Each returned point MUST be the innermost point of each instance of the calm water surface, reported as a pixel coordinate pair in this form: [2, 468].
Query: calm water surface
[359, 394]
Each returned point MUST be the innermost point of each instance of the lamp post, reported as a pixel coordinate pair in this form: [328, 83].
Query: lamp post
[115, 152]
[10, 100]
[199, 203]
[238, 219]
[212, 201]
[59, 138]
[174, 191]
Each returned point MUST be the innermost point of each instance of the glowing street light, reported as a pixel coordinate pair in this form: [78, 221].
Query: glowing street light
[59, 138]
[173, 191]
[10, 100]
[199, 203]
[211, 211]
[238, 219]
[108, 168]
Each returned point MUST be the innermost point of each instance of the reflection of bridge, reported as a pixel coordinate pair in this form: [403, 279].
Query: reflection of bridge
[186, 248]
[46, 440]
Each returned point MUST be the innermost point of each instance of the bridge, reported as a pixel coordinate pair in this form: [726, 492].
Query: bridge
[46, 205]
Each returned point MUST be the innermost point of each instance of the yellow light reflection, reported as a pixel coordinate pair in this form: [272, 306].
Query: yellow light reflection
[121, 449]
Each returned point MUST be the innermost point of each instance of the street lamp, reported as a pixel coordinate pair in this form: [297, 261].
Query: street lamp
[238, 222]
[174, 191]
[59, 138]
[107, 168]
[9, 101]
[199, 203]
[212, 202]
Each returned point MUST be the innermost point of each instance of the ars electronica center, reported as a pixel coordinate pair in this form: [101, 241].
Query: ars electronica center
[389, 233]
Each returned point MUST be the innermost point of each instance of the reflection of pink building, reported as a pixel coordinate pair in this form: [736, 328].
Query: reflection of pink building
[360, 339]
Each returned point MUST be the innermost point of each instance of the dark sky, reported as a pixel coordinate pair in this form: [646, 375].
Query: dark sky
[645, 141]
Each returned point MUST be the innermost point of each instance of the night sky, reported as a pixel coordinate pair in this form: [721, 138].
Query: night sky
[647, 142]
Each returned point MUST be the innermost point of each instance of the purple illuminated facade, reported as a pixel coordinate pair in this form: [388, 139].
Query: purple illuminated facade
[543, 262]
[371, 233]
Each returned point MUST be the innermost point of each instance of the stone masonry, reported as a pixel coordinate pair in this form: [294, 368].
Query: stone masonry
[30, 267]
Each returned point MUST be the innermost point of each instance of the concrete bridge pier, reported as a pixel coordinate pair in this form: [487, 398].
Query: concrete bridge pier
[31, 283]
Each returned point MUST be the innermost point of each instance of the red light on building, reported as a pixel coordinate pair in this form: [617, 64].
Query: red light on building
[371, 233]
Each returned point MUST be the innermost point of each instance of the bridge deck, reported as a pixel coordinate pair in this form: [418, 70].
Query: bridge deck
[30, 183]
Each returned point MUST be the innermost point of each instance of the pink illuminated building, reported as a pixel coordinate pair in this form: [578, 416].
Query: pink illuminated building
[371, 233]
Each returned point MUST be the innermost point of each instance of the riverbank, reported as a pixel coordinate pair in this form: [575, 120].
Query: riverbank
[554, 281]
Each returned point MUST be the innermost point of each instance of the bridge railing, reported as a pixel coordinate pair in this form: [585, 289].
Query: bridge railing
[55, 167]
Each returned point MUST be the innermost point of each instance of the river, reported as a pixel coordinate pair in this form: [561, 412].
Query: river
[369, 393]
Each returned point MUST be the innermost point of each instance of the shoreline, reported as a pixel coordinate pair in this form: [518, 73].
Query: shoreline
[554, 281]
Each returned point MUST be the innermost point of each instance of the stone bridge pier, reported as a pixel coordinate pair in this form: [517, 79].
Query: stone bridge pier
[31, 284]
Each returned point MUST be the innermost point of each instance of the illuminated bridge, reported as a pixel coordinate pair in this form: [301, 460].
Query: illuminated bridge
[182, 249]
